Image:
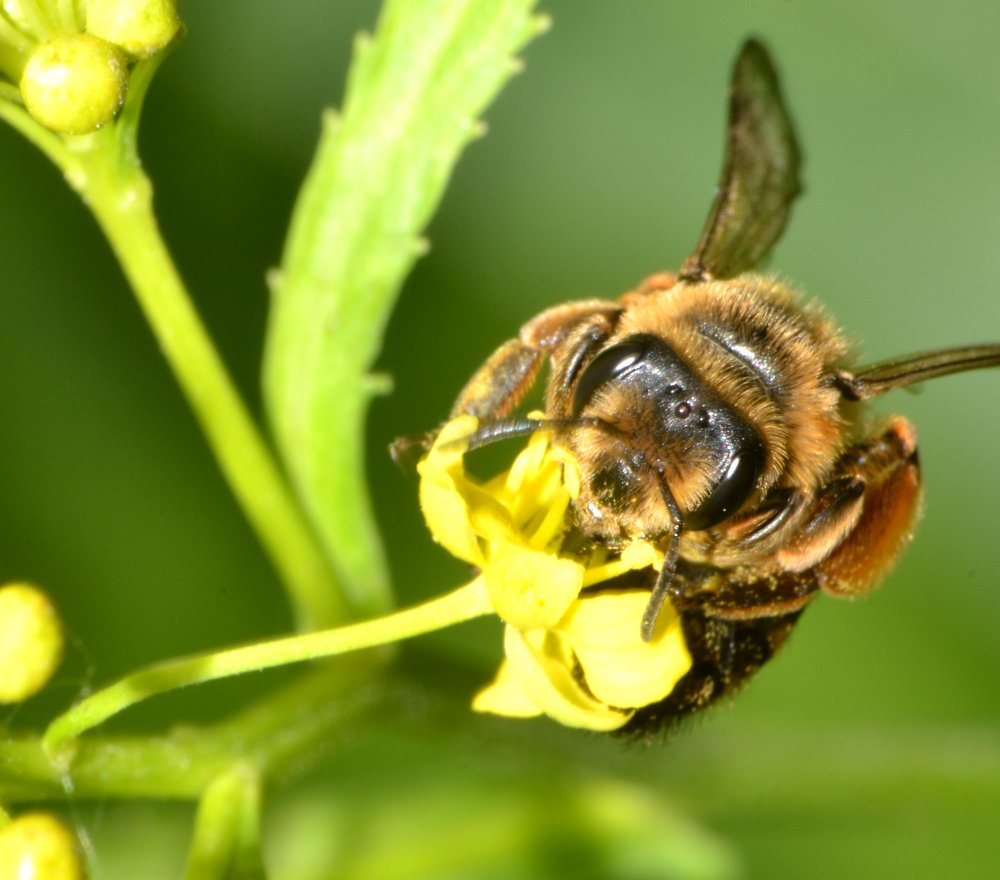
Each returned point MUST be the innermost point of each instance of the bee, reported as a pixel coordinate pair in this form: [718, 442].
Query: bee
[717, 415]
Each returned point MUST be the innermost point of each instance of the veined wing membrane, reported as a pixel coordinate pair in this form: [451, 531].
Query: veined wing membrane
[760, 174]
[876, 379]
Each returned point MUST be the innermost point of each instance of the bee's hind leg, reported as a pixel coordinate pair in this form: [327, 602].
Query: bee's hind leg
[843, 541]
[890, 469]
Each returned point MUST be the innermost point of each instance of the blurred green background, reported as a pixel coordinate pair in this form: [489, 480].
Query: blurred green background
[871, 747]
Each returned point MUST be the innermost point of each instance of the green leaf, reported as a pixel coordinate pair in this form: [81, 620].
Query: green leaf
[414, 94]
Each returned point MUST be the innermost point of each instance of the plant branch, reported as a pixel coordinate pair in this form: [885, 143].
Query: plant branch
[105, 169]
[274, 733]
[458, 606]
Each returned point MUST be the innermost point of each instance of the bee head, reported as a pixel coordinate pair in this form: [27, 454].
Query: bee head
[651, 429]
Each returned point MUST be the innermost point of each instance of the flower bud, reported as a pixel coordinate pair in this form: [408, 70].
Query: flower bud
[140, 27]
[37, 846]
[31, 642]
[74, 83]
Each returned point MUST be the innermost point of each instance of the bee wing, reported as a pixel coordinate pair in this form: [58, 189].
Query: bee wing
[760, 174]
[876, 379]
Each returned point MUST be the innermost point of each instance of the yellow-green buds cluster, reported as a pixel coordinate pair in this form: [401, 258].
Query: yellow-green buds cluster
[37, 846]
[74, 80]
[31, 643]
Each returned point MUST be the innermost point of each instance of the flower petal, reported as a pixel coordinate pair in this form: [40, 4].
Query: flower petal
[530, 589]
[505, 696]
[638, 554]
[618, 666]
[540, 664]
[444, 504]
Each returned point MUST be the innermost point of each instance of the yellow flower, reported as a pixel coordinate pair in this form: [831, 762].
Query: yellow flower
[573, 651]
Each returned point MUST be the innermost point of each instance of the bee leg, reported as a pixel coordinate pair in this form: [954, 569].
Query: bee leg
[844, 543]
[405, 451]
[891, 471]
[750, 593]
[492, 393]
[500, 384]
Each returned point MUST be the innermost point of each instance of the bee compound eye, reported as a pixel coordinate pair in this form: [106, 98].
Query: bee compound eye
[732, 490]
[612, 363]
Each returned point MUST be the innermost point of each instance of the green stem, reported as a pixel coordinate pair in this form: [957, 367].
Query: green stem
[275, 736]
[14, 49]
[31, 19]
[226, 839]
[105, 169]
[174, 766]
[122, 204]
[68, 21]
[458, 606]
[14, 114]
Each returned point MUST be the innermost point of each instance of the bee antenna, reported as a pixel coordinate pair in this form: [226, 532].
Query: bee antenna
[493, 432]
[504, 429]
[664, 580]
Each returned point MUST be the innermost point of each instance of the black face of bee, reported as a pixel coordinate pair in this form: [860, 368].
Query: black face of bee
[685, 414]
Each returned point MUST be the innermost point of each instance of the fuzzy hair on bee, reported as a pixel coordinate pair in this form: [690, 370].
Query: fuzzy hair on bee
[717, 414]
[762, 353]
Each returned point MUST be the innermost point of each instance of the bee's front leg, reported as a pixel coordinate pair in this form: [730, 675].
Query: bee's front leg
[500, 384]
[493, 392]
[843, 540]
